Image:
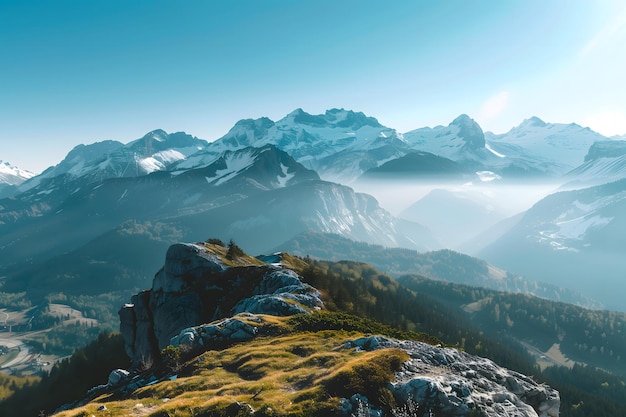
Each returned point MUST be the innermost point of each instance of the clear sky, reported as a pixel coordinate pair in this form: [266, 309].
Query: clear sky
[82, 71]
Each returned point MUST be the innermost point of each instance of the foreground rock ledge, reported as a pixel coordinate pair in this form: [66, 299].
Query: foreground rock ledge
[454, 383]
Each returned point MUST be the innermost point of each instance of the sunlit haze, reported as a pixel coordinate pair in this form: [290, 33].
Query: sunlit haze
[78, 72]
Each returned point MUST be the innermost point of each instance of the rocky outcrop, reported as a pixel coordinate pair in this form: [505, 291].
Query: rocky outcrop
[195, 287]
[234, 329]
[450, 382]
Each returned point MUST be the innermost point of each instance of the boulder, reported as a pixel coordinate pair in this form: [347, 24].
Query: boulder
[230, 330]
[118, 377]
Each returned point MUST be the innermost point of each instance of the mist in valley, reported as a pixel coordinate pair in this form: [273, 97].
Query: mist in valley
[458, 213]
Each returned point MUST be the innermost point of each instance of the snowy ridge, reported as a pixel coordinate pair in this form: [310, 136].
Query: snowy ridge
[342, 144]
[12, 175]
[310, 139]
[564, 145]
[156, 151]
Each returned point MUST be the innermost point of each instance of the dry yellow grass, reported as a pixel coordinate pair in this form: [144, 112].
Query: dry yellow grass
[221, 251]
[290, 373]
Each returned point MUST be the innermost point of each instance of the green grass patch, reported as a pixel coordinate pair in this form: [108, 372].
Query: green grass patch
[327, 320]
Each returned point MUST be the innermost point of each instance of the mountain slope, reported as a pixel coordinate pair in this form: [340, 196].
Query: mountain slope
[180, 299]
[605, 162]
[454, 216]
[554, 329]
[571, 238]
[418, 166]
[44, 224]
[284, 359]
[445, 265]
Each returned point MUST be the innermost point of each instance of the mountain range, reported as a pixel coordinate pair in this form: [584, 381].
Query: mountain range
[342, 144]
[273, 179]
[242, 195]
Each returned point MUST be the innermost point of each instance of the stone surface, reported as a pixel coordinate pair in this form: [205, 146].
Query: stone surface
[117, 377]
[229, 330]
[454, 383]
[186, 264]
[280, 293]
[195, 287]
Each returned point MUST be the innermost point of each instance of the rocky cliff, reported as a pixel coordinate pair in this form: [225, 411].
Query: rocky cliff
[195, 286]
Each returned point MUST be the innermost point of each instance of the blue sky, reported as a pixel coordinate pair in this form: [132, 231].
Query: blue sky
[82, 71]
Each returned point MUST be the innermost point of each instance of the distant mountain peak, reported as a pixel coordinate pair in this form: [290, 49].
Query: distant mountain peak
[462, 120]
[469, 131]
[262, 122]
[349, 118]
[91, 151]
[533, 121]
[12, 175]
[333, 117]
[157, 134]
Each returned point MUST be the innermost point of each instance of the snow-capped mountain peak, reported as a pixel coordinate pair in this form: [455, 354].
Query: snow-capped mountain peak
[340, 118]
[350, 119]
[532, 121]
[462, 140]
[469, 131]
[310, 139]
[155, 151]
[247, 132]
[12, 175]
[550, 147]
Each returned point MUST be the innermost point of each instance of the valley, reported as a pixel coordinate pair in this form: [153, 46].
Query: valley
[25, 336]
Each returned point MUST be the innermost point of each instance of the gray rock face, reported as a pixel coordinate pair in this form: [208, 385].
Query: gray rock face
[453, 383]
[233, 329]
[280, 293]
[194, 287]
[185, 266]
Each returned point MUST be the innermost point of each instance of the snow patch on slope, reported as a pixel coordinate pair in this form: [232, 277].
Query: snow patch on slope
[159, 160]
[570, 228]
[235, 163]
[490, 149]
[285, 177]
